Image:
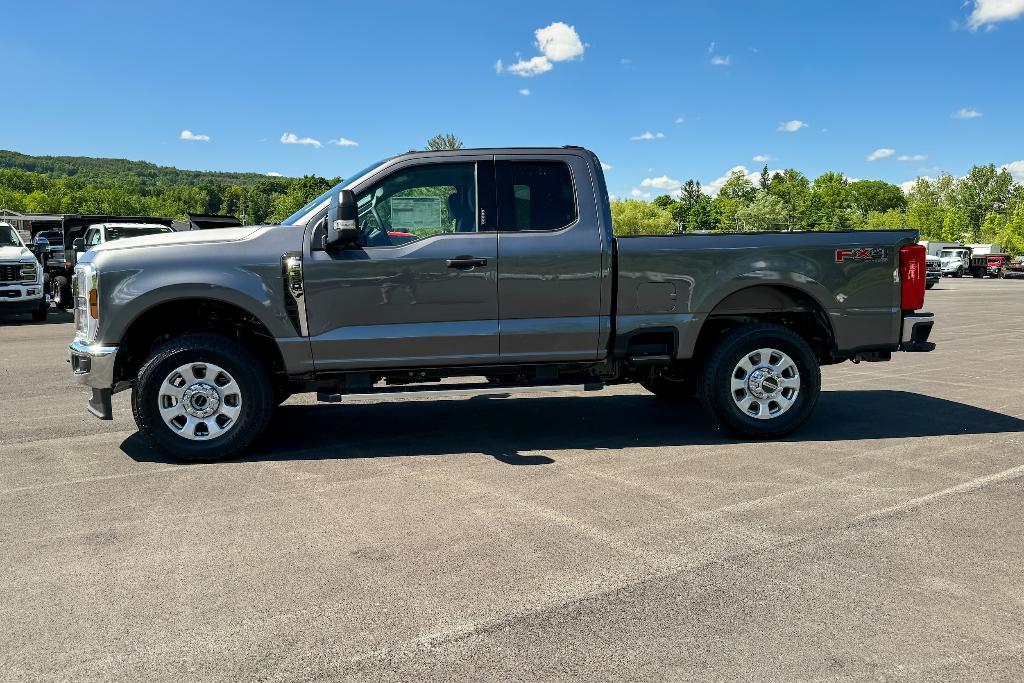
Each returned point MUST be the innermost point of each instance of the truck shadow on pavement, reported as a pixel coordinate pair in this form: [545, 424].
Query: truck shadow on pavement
[55, 316]
[513, 430]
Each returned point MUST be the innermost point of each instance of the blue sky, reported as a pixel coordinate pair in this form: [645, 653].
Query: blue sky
[922, 86]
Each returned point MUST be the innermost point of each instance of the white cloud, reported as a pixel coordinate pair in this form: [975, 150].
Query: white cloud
[762, 158]
[671, 185]
[911, 157]
[531, 67]
[1016, 169]
[189, 135]
[967, 113]
[792, 126]
[343, 142]
[637, 193]
[524, 92]
[274, 174]
[559, 42]
[715, 185]
[648, 135]
[881, 153]
[989, 12]
[680, 119]
[606, 167]
[293, 139]
[719, 60]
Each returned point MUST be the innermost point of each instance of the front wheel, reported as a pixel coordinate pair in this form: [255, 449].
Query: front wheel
[202, 397]
[762, 381]
[39, 315]
[60, 292]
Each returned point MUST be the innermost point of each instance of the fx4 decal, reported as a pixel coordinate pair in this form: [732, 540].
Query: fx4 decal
[860, 254]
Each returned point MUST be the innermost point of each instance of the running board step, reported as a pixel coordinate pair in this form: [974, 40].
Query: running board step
[456, 390]
[647, 361]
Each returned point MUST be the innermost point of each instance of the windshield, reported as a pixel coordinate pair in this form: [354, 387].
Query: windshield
[51, 236]
[117, 233]
[8, 237]
[293, 219]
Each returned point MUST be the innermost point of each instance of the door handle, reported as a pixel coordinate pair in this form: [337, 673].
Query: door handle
[465, 262]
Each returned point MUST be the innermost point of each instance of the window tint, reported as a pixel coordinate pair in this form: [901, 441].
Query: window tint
[417, 203]
[541, 196]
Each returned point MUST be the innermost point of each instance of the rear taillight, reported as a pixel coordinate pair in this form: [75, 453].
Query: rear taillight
[912, 266]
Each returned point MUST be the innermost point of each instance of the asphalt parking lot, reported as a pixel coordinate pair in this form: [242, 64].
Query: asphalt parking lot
[604, 536]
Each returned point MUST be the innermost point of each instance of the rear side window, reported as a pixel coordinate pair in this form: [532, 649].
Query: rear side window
[535, 195]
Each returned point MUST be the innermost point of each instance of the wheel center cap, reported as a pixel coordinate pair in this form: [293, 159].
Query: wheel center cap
[201, 400]
[763, 383]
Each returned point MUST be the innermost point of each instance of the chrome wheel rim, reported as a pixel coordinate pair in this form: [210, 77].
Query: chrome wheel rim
[200, 401]
[765, 384]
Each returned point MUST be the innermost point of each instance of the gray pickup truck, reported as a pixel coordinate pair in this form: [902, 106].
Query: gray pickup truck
[474, 272]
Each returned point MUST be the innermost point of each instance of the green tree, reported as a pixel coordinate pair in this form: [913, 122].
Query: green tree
[982, 191]
[893, 219]
[634, 217]
[794, 189]
[830, 203]
[876, 195]
[766, 212]
[736, 193]
[444, 141]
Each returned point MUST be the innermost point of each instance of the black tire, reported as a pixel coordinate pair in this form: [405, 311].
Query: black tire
[254, 385]
[929, 285]
[673, 385]
[715, 381]
[60, 292]
[959, 272]
[39, 315]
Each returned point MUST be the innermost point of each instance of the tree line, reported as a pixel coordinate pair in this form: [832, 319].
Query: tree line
[984, 206]
[121, 187]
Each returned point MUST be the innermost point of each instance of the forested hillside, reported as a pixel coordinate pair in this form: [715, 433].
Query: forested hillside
[47, 184]
[983, 206]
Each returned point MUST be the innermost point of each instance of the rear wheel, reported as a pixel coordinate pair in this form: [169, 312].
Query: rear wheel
[762, 381]
[201, 398]
[929, 285]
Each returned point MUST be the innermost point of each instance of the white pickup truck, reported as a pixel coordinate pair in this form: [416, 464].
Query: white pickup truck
[21, 277]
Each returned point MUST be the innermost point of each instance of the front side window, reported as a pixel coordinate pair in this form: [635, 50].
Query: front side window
[93, 238]
[417, 203]
[8, 237]
[115, 233]
[537, 195]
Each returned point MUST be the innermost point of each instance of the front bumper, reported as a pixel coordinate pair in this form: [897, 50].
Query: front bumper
[21, 298]
[93, 366]
[916, 329]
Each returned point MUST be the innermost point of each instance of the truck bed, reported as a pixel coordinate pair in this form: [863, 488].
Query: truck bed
[677, 281]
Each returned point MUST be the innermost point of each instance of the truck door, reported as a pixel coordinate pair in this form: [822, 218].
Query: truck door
[420, 288]
[552, 253]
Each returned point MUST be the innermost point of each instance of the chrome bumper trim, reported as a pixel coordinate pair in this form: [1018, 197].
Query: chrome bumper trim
[93, 365]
